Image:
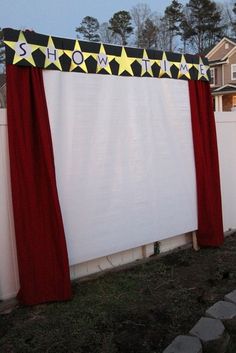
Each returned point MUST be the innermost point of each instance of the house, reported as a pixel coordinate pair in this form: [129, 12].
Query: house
[222, 60]
[2, 91]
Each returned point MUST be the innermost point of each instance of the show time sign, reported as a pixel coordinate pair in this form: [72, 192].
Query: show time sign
[49, 52]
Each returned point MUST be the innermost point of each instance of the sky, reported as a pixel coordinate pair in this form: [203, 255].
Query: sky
[60, 17]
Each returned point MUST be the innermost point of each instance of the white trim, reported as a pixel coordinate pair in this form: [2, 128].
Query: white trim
[220, 103]
[218, 63]
[219, 88]
[233, 71]
[213, 50]
[223, 93]
[223, 74]
[216, 103]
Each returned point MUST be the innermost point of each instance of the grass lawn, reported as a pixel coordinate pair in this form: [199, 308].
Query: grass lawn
[136, 310]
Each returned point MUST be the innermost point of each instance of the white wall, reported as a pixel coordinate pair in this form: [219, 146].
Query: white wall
[8, 264]
[226, 135]
[226, 132]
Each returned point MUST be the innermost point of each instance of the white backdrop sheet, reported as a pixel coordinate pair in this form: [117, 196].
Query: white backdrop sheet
[124, 160]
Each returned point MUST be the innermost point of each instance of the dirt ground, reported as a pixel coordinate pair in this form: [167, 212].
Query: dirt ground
[137, 310]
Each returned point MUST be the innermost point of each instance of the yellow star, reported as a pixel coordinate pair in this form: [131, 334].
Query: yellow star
[52, 54]
[183, 67]
[146, 64]
[202, 69]
[165, 66]
[125, 63]
[103, 60]
[78, 57]
[22, 49]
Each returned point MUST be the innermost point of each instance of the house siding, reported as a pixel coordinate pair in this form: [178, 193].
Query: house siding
[221, 52]
[218, 75]
[227, 69]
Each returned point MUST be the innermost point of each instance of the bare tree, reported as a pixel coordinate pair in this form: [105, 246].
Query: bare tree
[163, 35]
[140, 14]
[227, 17]
[107, 36]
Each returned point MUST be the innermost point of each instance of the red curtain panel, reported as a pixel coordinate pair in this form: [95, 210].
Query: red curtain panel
[40, 239]
[210, 227]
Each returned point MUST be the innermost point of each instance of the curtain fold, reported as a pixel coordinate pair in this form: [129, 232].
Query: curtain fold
[41, 247]
[210, 225]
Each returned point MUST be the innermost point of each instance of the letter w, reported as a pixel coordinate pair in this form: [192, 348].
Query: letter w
[102, 60]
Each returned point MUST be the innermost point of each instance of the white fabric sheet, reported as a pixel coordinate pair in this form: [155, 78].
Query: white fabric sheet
[124, 160]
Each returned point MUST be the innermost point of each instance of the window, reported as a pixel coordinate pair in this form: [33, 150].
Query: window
[212, 70]
[233, 72]
[226, 45]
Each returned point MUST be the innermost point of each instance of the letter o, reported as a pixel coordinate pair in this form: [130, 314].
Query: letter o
[77, 57]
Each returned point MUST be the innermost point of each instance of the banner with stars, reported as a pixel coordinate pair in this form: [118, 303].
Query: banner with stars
[48, 52]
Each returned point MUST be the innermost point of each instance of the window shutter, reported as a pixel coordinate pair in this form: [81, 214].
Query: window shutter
[212, 71]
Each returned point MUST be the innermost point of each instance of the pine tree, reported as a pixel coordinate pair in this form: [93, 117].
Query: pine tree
[173, 17]
[120, 24]
[2, 51]
[201, 25]
[89, 29]
[149, 34]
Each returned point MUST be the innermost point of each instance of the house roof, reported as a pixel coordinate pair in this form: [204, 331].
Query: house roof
[218, 62]
[229, 88]
[224, 39]
[224, 59]
[231, 52]
[231, 39]
[2, 80]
